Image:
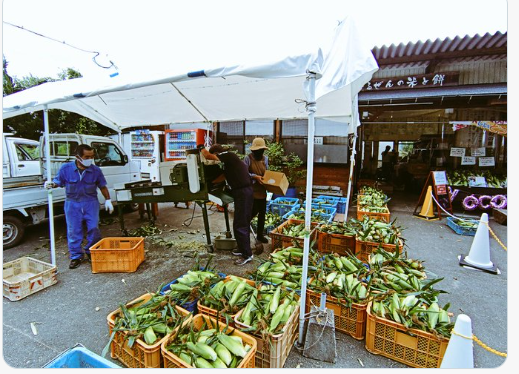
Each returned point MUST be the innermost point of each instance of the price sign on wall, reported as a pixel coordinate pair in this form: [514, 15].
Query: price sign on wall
[478, 152]
[487, 161]
[457, 152]
[468, 160]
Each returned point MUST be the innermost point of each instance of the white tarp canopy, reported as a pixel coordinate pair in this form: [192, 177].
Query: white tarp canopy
[263, 91]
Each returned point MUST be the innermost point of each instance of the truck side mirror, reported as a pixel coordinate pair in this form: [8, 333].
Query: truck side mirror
[125, 159]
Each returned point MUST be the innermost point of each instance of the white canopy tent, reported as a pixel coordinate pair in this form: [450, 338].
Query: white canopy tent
[323, 83]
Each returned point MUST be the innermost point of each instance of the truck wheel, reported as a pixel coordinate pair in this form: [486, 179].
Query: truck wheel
[13, 231]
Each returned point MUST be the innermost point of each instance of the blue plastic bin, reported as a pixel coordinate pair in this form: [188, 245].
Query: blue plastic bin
[461, 230]
[325, 217]
[80, 357]
[282, 209]
[190, 306]
[325, 203]
[341, 205]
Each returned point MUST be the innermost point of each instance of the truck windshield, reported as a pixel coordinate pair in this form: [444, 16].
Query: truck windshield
[107, 154]
[27, 152]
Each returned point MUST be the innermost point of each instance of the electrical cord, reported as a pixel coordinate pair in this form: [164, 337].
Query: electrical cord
[193, 215]
[65, 43]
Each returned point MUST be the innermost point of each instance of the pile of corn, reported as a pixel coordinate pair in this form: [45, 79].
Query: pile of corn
[372, 200]
[149, 321]
[192, 285]
[402, 293]
[341, 277]
[228, 296]
[268, 310]
[208, 348]
[377, 231]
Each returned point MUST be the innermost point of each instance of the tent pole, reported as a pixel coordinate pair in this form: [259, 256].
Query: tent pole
[49, 178]
[353, 129]
[310, 108]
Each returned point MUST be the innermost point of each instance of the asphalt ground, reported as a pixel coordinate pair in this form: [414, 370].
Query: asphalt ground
[75, 309]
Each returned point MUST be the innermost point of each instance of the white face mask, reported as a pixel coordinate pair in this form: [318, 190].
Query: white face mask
[86, 163]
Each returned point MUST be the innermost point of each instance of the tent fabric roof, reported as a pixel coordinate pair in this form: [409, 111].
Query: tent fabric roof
[263, 91]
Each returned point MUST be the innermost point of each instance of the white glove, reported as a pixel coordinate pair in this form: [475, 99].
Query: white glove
[108, 206]
[49, 185]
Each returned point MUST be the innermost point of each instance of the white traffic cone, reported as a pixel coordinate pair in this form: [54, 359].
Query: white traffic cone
[479, 255]
[460, 350]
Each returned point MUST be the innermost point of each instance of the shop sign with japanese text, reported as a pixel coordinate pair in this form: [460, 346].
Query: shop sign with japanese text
[413, 81]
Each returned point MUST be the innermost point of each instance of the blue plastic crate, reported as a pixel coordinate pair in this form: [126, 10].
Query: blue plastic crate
[336, 198]
[80, 357]
[460, 230]
[341, 205]
[190, 306]
[324, 217]
[282, 209]
[328, 210]
[325, 203]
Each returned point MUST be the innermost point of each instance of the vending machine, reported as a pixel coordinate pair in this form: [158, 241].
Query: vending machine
[146, 146]
[177, 142]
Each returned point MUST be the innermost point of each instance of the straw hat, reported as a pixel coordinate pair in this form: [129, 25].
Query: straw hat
[258, 143]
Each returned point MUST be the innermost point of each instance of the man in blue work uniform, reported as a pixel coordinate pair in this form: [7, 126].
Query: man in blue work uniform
[238, 178]
[81, 178]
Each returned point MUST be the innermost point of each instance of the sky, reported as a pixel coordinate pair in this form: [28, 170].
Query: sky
[182, 36]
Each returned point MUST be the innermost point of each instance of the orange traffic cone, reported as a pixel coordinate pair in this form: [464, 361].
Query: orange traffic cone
[479, 255]
[427, 211]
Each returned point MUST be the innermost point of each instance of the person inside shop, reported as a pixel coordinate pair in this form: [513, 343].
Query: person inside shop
[386, 162]
[81, 179]
[237, 176]
[257, 163]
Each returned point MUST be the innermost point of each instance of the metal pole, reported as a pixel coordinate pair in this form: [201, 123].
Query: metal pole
[49, 178]
[354, 117]
[310, 108]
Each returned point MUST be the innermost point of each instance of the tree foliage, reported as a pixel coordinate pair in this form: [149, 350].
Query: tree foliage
[30, 125]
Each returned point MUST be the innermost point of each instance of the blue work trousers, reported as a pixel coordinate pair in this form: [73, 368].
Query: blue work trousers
[76, 214]
[242, 216]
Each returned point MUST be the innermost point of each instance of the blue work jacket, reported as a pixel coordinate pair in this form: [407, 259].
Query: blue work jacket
[80, 186]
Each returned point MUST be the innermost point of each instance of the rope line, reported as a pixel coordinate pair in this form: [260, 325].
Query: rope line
[495, 236]
[486, 223]
[483, 345]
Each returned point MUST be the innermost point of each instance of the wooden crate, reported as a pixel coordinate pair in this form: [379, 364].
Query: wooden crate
[26, 276]
[413, 347]
[117, 255]
[273, 350]
[283, 241]
[173, 361]
[140, 355]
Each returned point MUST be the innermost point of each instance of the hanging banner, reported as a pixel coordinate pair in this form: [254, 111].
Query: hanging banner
[457, 152]
[498, 127]
[487, 161]
[467, 160]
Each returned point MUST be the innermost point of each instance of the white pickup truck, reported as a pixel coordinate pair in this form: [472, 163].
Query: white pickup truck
[25, 200]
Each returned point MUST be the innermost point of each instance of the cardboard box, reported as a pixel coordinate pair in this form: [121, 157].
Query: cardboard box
[275, 182]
